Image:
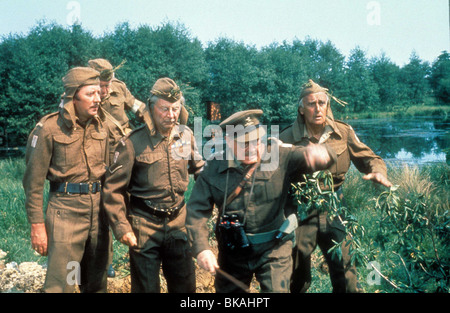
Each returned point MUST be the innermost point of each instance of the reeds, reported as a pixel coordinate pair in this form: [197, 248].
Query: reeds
[430, 184]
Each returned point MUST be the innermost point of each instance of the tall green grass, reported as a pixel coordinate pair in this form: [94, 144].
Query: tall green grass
[400, 112]
[14, 227]
[430, 184]
[418, 260]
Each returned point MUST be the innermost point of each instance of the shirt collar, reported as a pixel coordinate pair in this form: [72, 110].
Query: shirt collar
[299, 130]
[157, 138]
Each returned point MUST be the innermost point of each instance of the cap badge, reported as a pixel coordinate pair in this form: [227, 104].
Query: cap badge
[248, 121]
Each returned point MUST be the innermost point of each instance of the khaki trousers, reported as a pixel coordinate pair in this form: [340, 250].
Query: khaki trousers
[161, 241]
[318, 230]
[270, 262]
[78, 243]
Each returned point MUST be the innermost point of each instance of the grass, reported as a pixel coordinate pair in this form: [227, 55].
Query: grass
[425, 187]
[399, 112]
[430, 182]
[14, 227]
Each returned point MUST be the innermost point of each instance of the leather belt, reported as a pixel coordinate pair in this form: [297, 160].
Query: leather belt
[76, 188]
[145, 206]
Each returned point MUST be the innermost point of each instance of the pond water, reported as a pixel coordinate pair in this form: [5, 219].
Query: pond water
[414, 140]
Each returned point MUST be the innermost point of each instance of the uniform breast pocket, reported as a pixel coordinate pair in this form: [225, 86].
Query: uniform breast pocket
[338, 147]
[152, 166]
[117, 107]
[116, 100]
[99, 143]
[343, 157]
[265, 190]
[67, 150]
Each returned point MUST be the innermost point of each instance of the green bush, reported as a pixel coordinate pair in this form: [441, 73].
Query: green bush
[405, 230]
[399, 237]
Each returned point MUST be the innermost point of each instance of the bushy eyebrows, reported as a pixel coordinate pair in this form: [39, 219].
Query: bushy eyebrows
[316, 100]
[89, 89]
[170, 105]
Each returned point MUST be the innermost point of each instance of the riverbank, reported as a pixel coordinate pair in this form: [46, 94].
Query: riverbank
[427, 186]
[442, 111]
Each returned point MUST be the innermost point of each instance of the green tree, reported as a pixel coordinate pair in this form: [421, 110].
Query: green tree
[386, 75]
[233, 75]
[440, 77]
[31, 72]
[285, 66]
[168, 50]
[361, 91]
[414, 76]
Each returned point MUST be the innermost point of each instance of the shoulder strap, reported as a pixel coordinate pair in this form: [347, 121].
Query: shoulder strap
[241, 185]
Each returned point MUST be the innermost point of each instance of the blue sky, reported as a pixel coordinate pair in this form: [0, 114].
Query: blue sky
[395, 27]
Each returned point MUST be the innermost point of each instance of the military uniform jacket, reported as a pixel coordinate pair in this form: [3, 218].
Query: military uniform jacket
[150, 167]
[119, 100]
[61, 150]
[262, 207]
[343, 140]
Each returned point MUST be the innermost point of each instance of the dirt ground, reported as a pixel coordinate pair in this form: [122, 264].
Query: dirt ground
[29, 277]
[204, 282]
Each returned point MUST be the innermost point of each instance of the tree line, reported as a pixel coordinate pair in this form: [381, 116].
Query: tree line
[234, 74]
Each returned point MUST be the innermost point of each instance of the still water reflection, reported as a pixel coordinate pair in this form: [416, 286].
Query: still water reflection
[415, 140]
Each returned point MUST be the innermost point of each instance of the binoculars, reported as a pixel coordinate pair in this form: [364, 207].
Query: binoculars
[232, 232]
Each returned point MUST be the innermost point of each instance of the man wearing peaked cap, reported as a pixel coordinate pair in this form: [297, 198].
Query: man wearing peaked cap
[244, 128]
[254, 235]
[152, 164]
[249, 122]
[69, 148]
[315, 123]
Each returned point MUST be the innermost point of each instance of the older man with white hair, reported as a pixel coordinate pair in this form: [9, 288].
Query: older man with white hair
[315, 124]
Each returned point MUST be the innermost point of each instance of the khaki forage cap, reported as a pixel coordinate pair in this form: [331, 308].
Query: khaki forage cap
[165, 88]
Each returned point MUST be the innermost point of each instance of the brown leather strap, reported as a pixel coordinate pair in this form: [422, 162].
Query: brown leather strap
[241, 185]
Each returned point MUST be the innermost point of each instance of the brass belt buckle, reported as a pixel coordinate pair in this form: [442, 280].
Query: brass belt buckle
[91, 189]
[65, 187]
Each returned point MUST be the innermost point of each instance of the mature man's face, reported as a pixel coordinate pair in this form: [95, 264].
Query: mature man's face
[87, 101]
[105, 87]
[314, 108]
[248, 152]
[165, 115]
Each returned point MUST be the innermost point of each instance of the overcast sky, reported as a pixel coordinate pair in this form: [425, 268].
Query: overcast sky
[395, 27]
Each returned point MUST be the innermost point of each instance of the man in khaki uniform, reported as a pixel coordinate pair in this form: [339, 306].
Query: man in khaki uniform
[152, 164]
[116, 98]
[250, 229]
[315, 123]
[69, 148]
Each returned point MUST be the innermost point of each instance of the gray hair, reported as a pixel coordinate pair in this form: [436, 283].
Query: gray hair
[153, 99]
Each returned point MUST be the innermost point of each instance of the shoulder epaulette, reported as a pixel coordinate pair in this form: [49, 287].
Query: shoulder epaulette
[131, 133]
[136, 130]
[45, 118]
[119, 84]
[341, 122]
[286, 128]
[275, 140]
